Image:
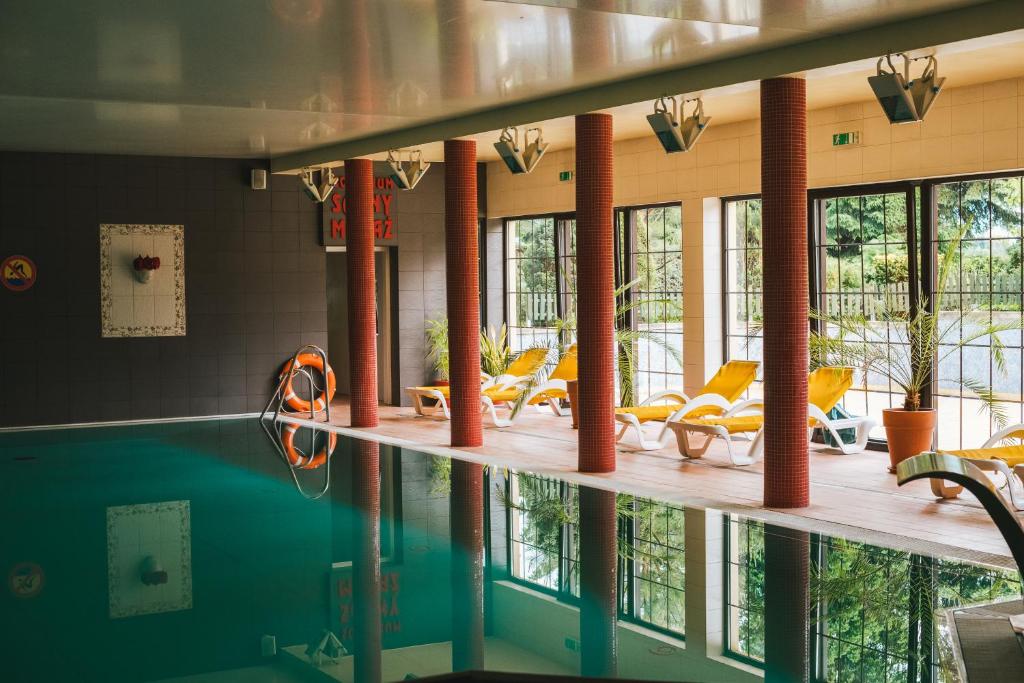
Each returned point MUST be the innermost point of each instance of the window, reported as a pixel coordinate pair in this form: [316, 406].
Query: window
[655, 580]
[743, 317]
[653, 255]
[986, 279]
[861, 246]
[532, 285]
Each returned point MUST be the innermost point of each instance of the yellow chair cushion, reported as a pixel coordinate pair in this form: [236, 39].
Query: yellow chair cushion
[826, 386]
[444, 391]
[502, 395]
[567, 368]
[549, 395]
[734, 425]
[1011, 455]
[528, 362]
[648, 413]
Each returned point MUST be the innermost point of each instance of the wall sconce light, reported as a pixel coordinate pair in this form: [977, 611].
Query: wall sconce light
[317, 193]
[674, 133]
[144, 267]
[407, 174]
[904, 100]
[516, 159]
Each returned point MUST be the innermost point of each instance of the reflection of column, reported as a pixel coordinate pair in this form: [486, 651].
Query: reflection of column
[362, 306]
[462, 254]
[458, 79]
[598, 583]
[467, 529]
[786, 604]
[366, 617]
[784, 227]
[357, 80]
[592, 47]
[596, 293]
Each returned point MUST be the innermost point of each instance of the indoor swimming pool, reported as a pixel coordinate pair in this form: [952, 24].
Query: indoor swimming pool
[216, 551]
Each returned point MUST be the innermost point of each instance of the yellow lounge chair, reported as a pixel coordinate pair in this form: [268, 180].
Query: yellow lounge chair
[550, 391]
[825, 388]
[996, 455]
[717, 397]
[519, 372]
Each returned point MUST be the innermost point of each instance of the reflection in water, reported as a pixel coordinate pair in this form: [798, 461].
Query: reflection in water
[289, 440]
[598, 539]
[422, 564]
[366, 585]
[467, 530]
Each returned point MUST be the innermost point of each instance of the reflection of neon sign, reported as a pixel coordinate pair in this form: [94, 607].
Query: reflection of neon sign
[390, 619]
[383, 194]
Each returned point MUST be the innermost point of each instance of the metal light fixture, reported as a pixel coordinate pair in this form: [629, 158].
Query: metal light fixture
[904, 100]
[675, 134]
[408, 173]
[516, 159]
[318, 193]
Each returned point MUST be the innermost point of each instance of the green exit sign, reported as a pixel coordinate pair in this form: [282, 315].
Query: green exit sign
[843, 139]
[565, 176]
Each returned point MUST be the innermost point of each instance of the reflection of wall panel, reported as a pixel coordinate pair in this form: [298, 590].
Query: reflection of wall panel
[130, 307]
[159, 530]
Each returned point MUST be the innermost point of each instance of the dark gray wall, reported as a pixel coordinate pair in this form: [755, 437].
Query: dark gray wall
[254, 281]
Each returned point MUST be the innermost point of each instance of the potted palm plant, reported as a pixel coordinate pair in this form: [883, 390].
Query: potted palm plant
[437, 349]
[904, 347]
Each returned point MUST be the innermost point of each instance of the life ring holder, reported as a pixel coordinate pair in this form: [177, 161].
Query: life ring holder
[304, 358]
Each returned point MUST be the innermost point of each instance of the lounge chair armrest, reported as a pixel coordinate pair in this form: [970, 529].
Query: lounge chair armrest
[702, 401]
[667, 393]
[751, 404]
[1002, 435]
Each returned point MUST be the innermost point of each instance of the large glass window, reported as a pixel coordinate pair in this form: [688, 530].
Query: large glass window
[538, 514]
[655, 261]
[743, 315]
[656, 563]
[744, 595]
[532, 285]
[987, 280]
[861, 247]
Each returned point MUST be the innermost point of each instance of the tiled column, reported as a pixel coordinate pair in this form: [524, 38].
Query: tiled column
[461, 252]
[362, 306]
[595, 288]
[786, 604]
[366, 617]
[599, 606]
[784, 230]
[467, 530]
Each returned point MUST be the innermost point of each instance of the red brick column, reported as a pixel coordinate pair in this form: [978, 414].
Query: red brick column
[596, 290]
[467, 530]
[784, 236]
[786, 605]
[362, 308]
[366, 617]
[599, 561]
[461, 251]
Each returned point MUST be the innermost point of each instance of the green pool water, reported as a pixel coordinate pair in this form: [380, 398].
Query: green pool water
[191, 550]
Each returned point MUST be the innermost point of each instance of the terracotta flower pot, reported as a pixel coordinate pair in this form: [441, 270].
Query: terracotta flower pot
[440, 382]
[909, 432]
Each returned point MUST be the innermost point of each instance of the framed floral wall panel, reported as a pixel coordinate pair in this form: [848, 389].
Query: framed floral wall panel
[142, 297]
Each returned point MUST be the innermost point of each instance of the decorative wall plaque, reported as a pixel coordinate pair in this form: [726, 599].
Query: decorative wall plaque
[129, 305]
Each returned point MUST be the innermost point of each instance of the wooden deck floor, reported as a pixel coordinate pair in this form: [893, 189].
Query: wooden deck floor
[851, 495]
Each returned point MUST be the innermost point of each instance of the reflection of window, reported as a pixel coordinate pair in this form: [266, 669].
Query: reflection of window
[743, 279]
[987, 279]
[871, 607]
[654, 583]
[543, 551]
[653, 255]
[744, 594]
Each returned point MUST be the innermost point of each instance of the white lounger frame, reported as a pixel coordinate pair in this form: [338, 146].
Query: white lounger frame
[683, 430]
[631, 423]
[1013, 479]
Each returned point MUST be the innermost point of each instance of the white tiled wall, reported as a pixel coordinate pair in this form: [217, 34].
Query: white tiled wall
[970, 129]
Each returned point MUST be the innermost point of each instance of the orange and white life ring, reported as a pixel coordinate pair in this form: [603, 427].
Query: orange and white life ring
[296, 402]
[300, 460]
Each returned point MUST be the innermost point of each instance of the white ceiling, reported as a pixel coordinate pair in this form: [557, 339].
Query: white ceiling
[245, 78]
